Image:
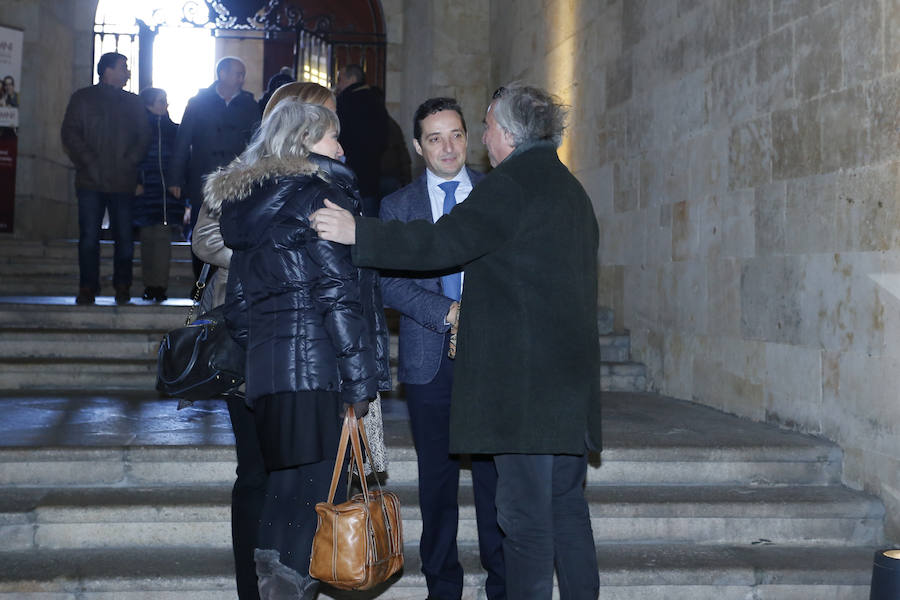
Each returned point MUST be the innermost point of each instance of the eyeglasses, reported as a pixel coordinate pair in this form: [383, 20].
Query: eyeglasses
[498, 92]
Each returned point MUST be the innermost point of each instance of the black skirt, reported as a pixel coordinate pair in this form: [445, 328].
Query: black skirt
[297, 428]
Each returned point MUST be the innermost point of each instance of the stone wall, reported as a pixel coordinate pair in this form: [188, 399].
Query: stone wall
[744, 163]
[45, 203]
[445, 53]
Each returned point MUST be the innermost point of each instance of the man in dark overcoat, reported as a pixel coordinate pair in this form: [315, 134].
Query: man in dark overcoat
[526, 381]
[217, 125]
[428, 304]
[364, 132]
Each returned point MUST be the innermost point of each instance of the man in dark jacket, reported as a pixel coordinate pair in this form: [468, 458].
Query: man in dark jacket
[428, 304]
[526, 379]
[364, 132]
[105, 134]
[217, 125]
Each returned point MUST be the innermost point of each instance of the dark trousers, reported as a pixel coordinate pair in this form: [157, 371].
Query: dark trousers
[156, 255]
[247, 497]
[429, 417]
[91, 205]
[542, 510]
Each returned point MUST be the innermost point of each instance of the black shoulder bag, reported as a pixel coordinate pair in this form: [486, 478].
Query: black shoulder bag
[200, 360]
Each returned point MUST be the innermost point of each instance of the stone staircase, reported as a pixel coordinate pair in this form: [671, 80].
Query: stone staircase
[48, 343]
[688, 504]
[106, 492]
[33, 268]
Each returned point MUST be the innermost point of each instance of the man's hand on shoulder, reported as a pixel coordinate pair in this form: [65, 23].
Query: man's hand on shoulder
[334, 224]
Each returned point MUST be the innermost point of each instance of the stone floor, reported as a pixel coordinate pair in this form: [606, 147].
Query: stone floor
[632, 420]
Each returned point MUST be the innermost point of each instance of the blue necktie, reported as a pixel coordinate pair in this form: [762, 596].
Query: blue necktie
[452, 283]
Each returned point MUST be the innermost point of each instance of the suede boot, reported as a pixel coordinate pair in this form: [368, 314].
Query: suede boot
[280, 582]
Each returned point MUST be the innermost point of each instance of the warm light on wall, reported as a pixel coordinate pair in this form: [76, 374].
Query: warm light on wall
[561, 51]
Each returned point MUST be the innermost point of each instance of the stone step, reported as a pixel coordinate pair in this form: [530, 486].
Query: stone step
[44, 345]
[12, 251]
[623, 377]
[615, 348]
[57, 439]
[605, 321]
[627, 572]
[74, 374]
[56, 344]
[153, 466]
[140, 375]
[52, 344]
[23, 265]
[762, 465]
[91, 517]
[62, 314]
[51, 268]
[67, 286]
[26, 274]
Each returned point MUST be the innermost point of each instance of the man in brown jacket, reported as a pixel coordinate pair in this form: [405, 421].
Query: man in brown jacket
[105, 133]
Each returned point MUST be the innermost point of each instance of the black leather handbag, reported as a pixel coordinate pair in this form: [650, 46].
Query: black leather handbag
[200, 360]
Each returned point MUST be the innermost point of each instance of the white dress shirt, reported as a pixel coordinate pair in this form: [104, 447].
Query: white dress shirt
[436, 195]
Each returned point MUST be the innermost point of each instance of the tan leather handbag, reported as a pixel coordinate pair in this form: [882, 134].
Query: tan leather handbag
[358, 543]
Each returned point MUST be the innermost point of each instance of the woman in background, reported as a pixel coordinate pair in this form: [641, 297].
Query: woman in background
[156, 212]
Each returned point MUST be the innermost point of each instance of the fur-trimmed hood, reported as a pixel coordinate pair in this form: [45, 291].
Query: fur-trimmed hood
[236, 181]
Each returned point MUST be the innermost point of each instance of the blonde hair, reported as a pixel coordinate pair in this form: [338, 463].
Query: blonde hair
[307, 91]
[292, 129]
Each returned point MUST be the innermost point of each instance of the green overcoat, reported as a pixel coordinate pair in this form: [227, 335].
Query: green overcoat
[526, 378]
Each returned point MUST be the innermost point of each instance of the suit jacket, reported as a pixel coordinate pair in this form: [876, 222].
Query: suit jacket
[526, 378]
[417, 296]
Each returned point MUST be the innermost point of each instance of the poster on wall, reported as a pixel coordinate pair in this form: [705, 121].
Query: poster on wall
[10, 71]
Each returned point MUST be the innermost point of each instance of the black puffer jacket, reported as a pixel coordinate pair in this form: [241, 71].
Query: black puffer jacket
[310, 319]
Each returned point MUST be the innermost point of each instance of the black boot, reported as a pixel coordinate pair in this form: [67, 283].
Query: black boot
[123, 294]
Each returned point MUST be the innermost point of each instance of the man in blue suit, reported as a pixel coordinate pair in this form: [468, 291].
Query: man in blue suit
[429, 306]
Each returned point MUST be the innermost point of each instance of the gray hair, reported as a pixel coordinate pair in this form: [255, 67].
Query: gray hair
[291, 129]
[529, 114]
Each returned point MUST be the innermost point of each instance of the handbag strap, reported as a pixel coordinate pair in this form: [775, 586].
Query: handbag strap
[351, 431]
[339, 459]
[197, 292]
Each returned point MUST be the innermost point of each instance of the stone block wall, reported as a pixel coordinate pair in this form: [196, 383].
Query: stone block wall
[744, 163]
[53, 66]
[445, 53]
